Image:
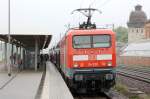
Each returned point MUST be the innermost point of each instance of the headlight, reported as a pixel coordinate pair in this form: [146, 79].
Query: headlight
[109, 63]
[75, 65]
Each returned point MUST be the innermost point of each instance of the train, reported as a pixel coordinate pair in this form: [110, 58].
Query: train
[86, 57]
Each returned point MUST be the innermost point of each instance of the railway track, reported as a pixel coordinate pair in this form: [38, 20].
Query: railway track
[137, 69]
[138, 73]
[112, 94]
[93, 96]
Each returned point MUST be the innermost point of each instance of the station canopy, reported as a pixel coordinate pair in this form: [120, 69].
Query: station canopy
[28, 40]
[137, 49]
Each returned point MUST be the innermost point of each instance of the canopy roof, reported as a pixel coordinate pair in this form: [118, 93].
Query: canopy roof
[28, 40]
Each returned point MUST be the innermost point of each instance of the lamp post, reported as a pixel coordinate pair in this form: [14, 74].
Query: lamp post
[9, 67]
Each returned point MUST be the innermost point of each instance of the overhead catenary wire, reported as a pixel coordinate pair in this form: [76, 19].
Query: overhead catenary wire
[81, 3]
[101, 4]
[95, 3]
[92, 3]
[104, 3]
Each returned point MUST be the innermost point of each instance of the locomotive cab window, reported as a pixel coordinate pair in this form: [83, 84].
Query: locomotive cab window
[82, 42]
[101, 41]
[92, 41]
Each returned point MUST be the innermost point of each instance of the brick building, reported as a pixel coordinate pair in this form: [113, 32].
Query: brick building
[135, 54]
[147, 29]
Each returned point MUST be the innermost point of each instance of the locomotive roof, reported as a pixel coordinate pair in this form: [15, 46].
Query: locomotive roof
[89, 31]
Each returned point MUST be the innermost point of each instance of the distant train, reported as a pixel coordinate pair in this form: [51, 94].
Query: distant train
[87, 58]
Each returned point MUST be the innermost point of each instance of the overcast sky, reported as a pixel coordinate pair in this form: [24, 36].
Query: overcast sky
[52, 16]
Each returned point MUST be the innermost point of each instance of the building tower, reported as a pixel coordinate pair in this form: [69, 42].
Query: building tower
[136, 24]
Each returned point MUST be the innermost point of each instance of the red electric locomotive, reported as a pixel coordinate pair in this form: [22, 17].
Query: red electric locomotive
[88, 57]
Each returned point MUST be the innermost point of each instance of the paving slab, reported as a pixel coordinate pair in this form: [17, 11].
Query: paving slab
[23, 86]
[5, 79]
[2, 68]
[46, 88]
[57, 86]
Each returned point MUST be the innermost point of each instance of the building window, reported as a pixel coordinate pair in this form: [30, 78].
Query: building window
[141, 30]
[137, 30]
[132, 30]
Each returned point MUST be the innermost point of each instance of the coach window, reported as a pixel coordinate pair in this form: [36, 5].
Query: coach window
[101, 41]
[81, 42]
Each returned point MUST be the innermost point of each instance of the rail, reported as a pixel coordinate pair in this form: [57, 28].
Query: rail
[138, 73]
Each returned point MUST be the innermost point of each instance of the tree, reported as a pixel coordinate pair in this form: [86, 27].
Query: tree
[121, 34]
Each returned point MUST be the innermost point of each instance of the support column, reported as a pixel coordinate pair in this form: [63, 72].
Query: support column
[20, 59]
[20, 52]
[36, 53]
[17, 57]
[5, 56]
[24, 58]
[12, 49]
[11, 57]
[8, 59]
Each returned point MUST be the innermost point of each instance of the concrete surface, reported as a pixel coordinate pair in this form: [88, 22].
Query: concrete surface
[23, 86]
[46, 88]
[54, 85]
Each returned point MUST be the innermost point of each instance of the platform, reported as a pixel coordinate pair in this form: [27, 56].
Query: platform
[4, 78]
[23, 86]
[57, 87]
